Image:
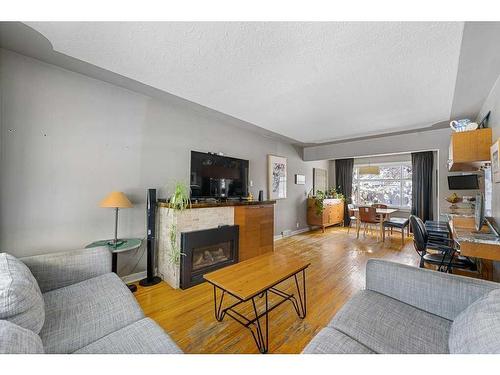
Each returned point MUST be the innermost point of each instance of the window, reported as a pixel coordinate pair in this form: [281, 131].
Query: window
[391, 187]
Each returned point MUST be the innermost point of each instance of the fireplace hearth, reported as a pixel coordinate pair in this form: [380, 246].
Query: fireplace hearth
[205, 251]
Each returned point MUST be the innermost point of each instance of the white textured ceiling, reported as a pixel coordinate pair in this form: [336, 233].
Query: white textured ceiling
[312, 82]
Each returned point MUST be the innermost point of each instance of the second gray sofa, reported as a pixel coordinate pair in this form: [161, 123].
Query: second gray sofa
[71, 302]
[406, 309]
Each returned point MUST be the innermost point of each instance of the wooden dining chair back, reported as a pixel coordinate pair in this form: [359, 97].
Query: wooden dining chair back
[379, 205]
[368, 214]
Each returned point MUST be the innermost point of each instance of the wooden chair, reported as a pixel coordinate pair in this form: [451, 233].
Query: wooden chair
[379, 205]
[352, 216]
[368, 216]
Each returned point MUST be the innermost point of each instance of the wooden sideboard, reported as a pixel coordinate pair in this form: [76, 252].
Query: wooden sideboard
[333, 213]
[256, 229]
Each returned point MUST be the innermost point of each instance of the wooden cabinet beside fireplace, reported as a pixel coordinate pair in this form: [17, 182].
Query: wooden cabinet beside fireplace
[333, 213]
[256, 229]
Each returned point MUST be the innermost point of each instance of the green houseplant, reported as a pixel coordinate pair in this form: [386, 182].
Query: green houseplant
[320, 196]
[178, 202]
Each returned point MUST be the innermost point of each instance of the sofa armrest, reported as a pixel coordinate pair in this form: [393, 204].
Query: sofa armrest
[439, 293]
[57, 270]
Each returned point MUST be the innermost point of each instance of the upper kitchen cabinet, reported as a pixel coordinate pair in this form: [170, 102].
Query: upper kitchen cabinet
[469, 150]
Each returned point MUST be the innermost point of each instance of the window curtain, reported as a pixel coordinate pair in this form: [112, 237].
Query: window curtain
[422, 199]
[343, 177]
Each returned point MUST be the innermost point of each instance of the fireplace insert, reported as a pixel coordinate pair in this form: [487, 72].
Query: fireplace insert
[207, 250]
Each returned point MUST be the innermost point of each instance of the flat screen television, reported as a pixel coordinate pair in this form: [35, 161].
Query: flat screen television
[463, 182]
[215, 176]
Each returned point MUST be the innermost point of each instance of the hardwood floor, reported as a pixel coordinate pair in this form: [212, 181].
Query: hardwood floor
[337, 271]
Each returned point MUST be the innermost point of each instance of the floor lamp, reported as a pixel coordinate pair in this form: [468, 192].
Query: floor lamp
[116, 200]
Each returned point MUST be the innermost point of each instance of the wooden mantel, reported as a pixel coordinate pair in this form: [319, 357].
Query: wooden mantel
[197, 204]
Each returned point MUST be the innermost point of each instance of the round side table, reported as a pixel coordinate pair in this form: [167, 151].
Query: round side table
[126, 244]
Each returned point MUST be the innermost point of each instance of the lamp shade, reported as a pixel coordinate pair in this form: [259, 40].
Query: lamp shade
[116, 199]
[369, 169]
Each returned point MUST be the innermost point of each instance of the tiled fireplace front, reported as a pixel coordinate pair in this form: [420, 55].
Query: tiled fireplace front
[205, 251]
[194, 219]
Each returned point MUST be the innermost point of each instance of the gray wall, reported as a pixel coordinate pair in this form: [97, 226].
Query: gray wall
[67, 140]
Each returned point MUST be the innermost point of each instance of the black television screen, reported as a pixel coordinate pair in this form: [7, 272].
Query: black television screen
[215, 176]
[464, 182]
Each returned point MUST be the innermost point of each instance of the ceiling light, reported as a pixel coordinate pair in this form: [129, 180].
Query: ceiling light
[369, 169]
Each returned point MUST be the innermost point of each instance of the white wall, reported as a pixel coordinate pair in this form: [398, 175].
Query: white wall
[67, 140]
[492, 103]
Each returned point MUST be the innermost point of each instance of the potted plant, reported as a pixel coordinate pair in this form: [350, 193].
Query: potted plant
[178, 202]
[334, 193]
[320, 196]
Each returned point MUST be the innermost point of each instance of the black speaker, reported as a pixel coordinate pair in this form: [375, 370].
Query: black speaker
[261, 195]
[151, 279]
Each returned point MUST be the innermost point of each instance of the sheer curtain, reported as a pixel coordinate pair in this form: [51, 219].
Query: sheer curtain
[422, 199]
[343, 178]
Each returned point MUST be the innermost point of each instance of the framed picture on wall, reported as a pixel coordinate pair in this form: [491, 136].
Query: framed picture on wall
[495, 161]
[276, 177]
[320, 180]
[300, 179]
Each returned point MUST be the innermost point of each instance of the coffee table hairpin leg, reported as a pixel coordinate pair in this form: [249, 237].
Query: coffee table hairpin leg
[255, 325]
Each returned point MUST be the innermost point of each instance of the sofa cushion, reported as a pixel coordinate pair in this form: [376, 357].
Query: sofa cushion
[386, 325]
[141, 337]
[476, 330]
[331, 341]
[80, 314]
[18, 340]
[21, 301]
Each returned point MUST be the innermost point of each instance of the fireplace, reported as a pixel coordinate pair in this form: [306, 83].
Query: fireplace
[207, 250]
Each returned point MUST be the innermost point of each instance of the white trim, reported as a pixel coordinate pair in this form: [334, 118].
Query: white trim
[400, 180]
[293, 233]
[383, 164]
[134, 277]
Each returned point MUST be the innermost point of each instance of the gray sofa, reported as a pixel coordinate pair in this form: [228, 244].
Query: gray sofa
[406, 309]
[71, 302]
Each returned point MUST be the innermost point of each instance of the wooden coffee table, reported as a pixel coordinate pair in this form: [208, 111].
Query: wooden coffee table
[252, 280]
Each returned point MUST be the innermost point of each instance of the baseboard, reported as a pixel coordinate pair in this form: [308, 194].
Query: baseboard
[134, 277]
[295, 232]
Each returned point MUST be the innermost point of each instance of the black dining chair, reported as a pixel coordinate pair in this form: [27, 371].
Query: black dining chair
[398, 223]
[445, 255]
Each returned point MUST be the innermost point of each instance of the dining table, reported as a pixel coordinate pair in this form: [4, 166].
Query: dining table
[384, 213]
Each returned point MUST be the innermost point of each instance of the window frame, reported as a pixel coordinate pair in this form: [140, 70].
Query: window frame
[401, 180]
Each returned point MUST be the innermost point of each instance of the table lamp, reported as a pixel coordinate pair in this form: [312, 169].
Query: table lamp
[116, 200]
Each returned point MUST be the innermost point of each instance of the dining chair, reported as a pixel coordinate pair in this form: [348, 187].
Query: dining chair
[379, 205]
[368, 216]
[353, 219]
[445, 257]
[400, 223]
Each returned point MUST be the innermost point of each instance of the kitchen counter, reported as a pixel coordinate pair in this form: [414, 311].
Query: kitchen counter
[482, 245]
